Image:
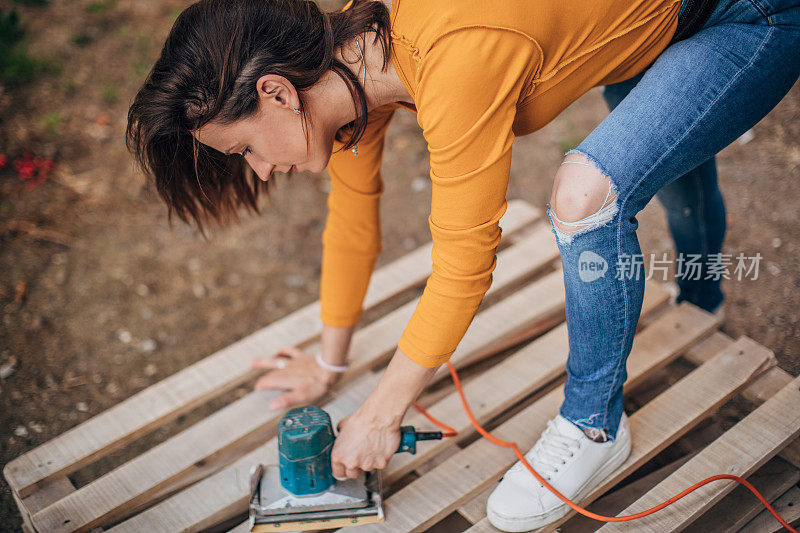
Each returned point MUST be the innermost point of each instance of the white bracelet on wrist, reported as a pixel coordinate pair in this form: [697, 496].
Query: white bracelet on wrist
[328, 366]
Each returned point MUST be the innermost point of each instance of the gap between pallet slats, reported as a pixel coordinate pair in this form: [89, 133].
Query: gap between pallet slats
[475, 509]
[214, 375]
[737, 508]
[740, 451]
[510, 314]
[482, 333]
[428, 499]
[133, 485]
[788, 506]
[646, 441]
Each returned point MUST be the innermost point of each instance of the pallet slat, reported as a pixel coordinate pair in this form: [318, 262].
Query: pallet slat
[428, 499]
[671, 414]
[133, 485]
[703, 350]
[737, 508]
[504, 316]
[208, 378]
[740, 451]
[499, 387]
[198, 479]
[788, 506]
[612, 503]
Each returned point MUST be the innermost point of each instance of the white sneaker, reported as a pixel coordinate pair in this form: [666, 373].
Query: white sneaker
[569, 460]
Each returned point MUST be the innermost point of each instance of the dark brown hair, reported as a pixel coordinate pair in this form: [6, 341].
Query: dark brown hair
[207, 70]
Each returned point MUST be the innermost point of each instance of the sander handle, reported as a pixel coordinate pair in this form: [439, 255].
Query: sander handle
[409, 437]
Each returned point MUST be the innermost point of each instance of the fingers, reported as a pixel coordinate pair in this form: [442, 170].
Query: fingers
[342, 472]
[286, 400]
[291, 351]
[339, 471]
[276, 361]
[268, 364]
[277, 379]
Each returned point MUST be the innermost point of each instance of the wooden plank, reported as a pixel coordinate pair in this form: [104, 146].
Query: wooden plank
[44, 496]
[49, 493]
[133, 485]
[740, 451]
[761, 389]
[545, 361]
[614, 502]
[427, 500]
[762, 386]
[210, 377]
[788, 506]
[740, 506]
[671, 414]
[504, 314]
[475, 509]
[27, 526]
[704, 349]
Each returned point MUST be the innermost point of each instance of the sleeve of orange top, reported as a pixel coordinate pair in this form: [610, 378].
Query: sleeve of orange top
[351, 240]
[468, 84]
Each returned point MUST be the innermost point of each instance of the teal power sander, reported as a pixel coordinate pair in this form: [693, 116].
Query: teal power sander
[301, 492]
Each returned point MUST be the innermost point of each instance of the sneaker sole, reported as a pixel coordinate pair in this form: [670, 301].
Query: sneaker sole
[517, 525]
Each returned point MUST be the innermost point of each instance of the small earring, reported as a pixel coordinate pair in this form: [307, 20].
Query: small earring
[296, 111]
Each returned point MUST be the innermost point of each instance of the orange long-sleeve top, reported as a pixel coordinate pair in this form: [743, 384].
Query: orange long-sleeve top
[480, 73]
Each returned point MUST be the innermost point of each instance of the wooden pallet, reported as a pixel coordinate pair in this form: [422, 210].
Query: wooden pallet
[512, 362]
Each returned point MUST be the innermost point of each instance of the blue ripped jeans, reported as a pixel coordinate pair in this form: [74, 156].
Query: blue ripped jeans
[660, 138]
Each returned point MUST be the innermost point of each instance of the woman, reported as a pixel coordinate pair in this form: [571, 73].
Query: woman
[282, 86]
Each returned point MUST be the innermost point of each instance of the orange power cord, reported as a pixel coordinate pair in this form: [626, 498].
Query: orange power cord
[450, 432]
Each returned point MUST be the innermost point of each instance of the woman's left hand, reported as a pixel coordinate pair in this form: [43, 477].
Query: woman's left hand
[366, 441]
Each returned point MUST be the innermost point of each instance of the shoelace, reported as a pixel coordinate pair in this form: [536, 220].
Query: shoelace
[551, 451]
[451, 432]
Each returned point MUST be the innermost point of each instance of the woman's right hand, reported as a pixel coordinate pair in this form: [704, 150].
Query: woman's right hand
[296, 372]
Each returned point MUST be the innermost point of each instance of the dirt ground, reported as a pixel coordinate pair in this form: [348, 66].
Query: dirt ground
[100, 298]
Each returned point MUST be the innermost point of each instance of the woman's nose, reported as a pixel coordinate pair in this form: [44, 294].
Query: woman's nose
[262, 170]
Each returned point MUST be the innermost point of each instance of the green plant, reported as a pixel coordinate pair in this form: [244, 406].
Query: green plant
[100, 12]
[51, 123]
[110, 92]
[16, 66]
[96, 7]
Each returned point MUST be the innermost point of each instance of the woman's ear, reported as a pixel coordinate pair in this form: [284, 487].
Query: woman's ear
[276, 90]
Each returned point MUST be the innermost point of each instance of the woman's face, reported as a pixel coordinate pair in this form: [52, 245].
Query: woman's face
[272, 139]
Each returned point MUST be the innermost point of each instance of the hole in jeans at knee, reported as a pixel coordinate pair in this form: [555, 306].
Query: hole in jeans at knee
[566, 231]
